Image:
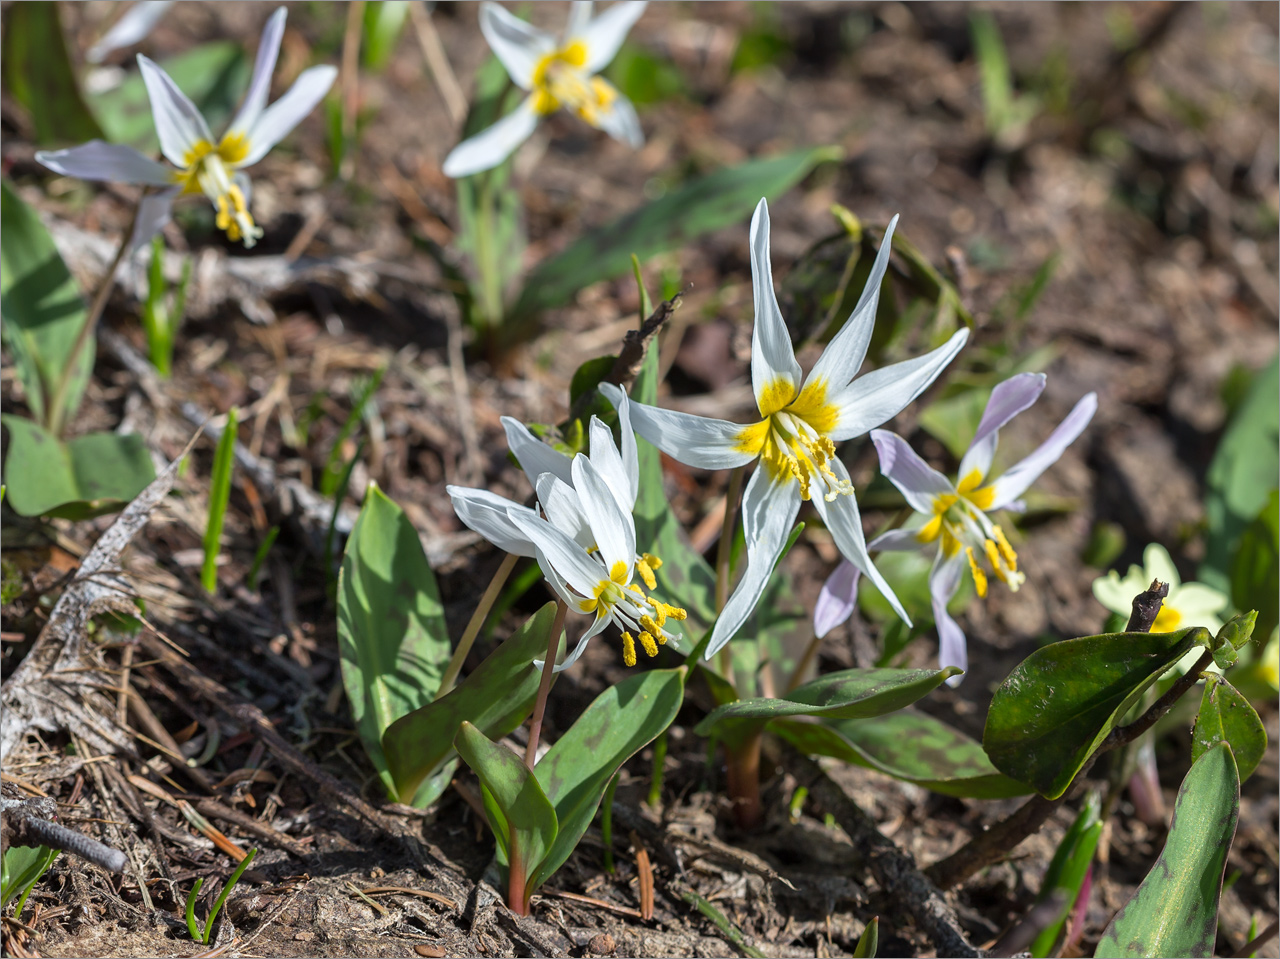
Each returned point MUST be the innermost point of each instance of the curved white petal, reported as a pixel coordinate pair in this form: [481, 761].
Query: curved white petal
[278, 120]
[841, 360]
[114, 162]
[603, 36]
[138, 21]
[263, 66]
[944, 580]
[619, 120]
[919, 482]
[1016, 480]
[880, 395]
[579, 17]
[897, 541]
[491, 146]
[534, 456]
[699, 441]
[1117, 594]
[614, 529]
[775, 374]
[179, 124]
[769, 508]
[155, 210]
[1008, 399]
[630, 453]
[489, 515]
[609, 464]
[1158, 564]
[569, 559]
[519, 45]
[838, 599]
[1195, 601]
[593, 631]
[560, 502]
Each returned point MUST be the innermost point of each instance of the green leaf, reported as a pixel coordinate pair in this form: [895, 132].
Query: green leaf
[1226, 716]
[74, 479]
[848, 694]
[1059, 703]
[22, 868]
[1256, 568]
[869, 941]
[391, 629]
[908, 745]
[699, 206]
[1175, 910]
[520, 814]
[38, 72]
[495, 698]
[953, 420]
[42, 309]
[576, 770]
[1067, 870]
[224, 461]
[383, 23]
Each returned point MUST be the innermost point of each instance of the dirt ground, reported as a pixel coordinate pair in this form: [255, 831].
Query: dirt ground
[1150, 182]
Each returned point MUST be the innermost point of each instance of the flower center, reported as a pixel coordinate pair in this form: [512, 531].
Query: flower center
[626, 604]
[793, 438]
[559, 80]
[960, 521]
[208, 172]
[1167, 620]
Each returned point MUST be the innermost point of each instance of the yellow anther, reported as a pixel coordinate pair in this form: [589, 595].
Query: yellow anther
[628, 649]
[650, 647]
[648, 624]
[979, 577]
[653, 562]
[1006, 550]
[993, 557]
[675, 612]
[646, 573]
[659, 615]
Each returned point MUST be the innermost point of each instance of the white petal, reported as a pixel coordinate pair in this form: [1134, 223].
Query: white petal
[488, 514]
[630, 454]
[841, 360]
[155, 210]
[897, 541]
[775, 374]
[1158, 564]
[1019, 477]
[620, 121]
[560, 502]
[579, 17]
[138, 21]
[263, 66]
[179, 124]
[880, 395]
[1196, 601]
[491, 146]
[769, 508]
[277, 120]
[1117, 594]
[603, 36]
[614, 529]
[1008, 399]
[919, 482]
[608, 463]
[838, 599]
[519, 45]
[944, 580]
[114, 162]
[534, 456]
[593, 631]
[693, 440]
[569, 559]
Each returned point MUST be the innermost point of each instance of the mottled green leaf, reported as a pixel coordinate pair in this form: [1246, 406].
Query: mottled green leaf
[1175, 910]
[1226, 716]
[1067, 871]
[495, 698]
[1059, 703]
[39, 75]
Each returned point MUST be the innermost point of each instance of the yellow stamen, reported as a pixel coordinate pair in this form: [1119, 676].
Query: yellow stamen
[675, 612]
[993, 557]
[628, 649]
[650, 647]
[1006, 550]
[979, 577]
[648, 624]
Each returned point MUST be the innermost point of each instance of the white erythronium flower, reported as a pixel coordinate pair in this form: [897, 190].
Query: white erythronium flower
[1188, 604]
[557, 73]
[203, 166]
[800, 424]
[954, 519]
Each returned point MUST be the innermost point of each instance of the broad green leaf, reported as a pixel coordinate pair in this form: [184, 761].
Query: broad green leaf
[1067, 870]
[383, 23]
[869, 941]
[42, 310]
[1175, 910]
[848, 694]
[1059, 703]
[22, 867]
[520, 814]
[39, 75]
[908, 745]
[495, 698]
[577, 769]
[391, 629]
[1256, 568]
[953, 420]
[699, 206]
[1226, 716]
[213, 75]
[74, 479]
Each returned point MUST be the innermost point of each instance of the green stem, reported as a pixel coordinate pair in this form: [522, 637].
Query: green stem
[544, 687]
[723, 553]
[477, 621]
[517, 899]
[659, 760]
[606, 822]
[486, 255]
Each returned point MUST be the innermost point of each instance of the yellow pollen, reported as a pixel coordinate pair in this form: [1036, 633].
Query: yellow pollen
[1167, 620]
[1006, 550]
[675, 612]
[645, 569]
[647, 624]
[993, 557]
[628, 649]
[659, 615]
[650, 647]
[558, 80]
[979, 577]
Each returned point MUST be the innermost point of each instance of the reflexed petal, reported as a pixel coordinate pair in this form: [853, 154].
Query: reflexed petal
[138, 21]
[263, 66]
[534, 456]
[604, 35]
[838, 599]
[1117, 594]
[488, 514]
[775, 374]
[569, 559]
[620, 121]
[608, 463]
[593, 631]
[517, 44]
[897, 541]
[944, 580]
[1196, 601]
[179, 124]
[579, 17]
[155, 210]
[1008, 399]
[768, 510]
[614, 529]
[1019, 477]
[917, 480]
[879, 395]
[845, 524]
[277, 120]
[841, 360]
[560, 502]
[114, 162]
[694, 440]
[1158, 564]
[630, 454]
[491, 146]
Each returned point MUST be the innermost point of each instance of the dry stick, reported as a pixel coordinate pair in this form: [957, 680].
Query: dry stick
[27, 822]
[350, 86]
[477, 621]
[455, 100]
[544, 686]
[1252, 946]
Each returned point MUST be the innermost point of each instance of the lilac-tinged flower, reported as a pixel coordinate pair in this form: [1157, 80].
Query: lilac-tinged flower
[954, 520]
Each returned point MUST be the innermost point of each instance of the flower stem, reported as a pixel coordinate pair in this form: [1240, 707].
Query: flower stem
[477, 621]
[723, 554]
[517, 900]
[744, 780]
[544, 687]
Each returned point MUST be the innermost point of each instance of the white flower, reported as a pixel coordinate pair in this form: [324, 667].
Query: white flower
[138, 21]
[800, 424]
[1188, 604]
[954, 517]
[557, 73]
[202, 166]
